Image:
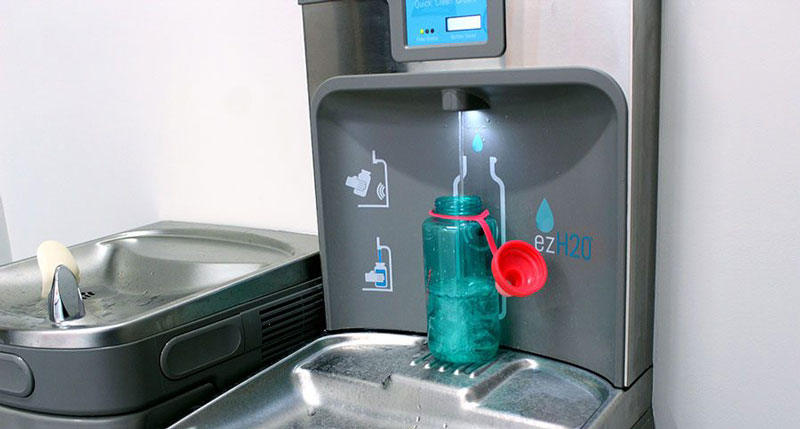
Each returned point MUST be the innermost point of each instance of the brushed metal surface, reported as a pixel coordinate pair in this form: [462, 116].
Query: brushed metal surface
[347, 37]
[148, 280]
[390, 381]
[618, 37]
[352, 37]
[642, 186]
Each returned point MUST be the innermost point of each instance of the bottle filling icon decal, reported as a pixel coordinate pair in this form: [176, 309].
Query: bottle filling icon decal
[380, 276]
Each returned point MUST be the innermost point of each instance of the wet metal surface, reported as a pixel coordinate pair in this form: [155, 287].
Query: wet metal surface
[391, 381]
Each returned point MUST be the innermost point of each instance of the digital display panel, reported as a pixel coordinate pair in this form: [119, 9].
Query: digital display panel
[463, 23]
[445, 22]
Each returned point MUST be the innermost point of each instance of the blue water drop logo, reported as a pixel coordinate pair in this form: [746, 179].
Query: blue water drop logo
[477, 143]
[544, 217]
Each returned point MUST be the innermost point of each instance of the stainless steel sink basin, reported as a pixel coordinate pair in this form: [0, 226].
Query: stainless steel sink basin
[144, 281]
[370, 380]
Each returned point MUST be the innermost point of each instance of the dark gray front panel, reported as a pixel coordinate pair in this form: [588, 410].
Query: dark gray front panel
[557, 135]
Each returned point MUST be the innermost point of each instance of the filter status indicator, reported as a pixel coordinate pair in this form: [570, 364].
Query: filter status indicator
[429, 30]
[445, 22]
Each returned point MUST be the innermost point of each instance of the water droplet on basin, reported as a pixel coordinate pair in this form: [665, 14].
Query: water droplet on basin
[544, 217]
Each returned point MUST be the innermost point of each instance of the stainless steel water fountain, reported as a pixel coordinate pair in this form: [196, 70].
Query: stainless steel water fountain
[166, 317]
[548, 110]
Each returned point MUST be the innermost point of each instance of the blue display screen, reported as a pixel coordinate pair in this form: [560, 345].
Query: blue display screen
[445, 22]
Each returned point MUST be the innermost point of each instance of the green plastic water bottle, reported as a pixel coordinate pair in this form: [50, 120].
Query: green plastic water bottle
[463, 304]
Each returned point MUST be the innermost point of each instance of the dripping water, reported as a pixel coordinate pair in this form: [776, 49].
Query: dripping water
[460, 153]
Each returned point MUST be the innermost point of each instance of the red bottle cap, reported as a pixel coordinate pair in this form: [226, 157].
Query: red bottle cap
[519, 269]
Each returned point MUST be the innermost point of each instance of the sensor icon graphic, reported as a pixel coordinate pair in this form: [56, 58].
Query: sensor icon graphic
[359, 183]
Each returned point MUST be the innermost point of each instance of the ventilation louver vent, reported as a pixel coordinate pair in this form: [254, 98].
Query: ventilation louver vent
[292, 322]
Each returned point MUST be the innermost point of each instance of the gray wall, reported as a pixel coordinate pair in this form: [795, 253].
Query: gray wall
[728, 278]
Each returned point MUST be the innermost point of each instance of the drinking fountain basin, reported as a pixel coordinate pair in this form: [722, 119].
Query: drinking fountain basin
[381, 380]
[144, 281]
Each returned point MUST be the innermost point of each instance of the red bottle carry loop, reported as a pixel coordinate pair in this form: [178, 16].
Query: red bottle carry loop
[480, 218]
[518, 268]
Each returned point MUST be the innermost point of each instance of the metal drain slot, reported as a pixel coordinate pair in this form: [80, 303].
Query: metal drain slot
[468, 368]
[427, 361]
[482, 368]
[420, 359]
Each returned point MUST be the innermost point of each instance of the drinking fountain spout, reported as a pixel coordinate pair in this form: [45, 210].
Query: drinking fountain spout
[60, 276]
[64, 302]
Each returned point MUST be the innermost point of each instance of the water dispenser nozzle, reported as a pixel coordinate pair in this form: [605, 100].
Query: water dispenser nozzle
[459, 100]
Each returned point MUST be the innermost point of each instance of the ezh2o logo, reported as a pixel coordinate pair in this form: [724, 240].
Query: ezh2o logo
[563, 243]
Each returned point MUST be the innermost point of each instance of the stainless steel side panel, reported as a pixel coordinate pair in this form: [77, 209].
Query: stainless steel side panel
[347, 37]
[642, 186]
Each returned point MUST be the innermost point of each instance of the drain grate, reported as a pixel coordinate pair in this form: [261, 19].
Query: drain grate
[86, 295]
[427, 361]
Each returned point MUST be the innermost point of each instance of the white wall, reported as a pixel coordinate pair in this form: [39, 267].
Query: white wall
[728, 279]
[5, 245]
[114, 114]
